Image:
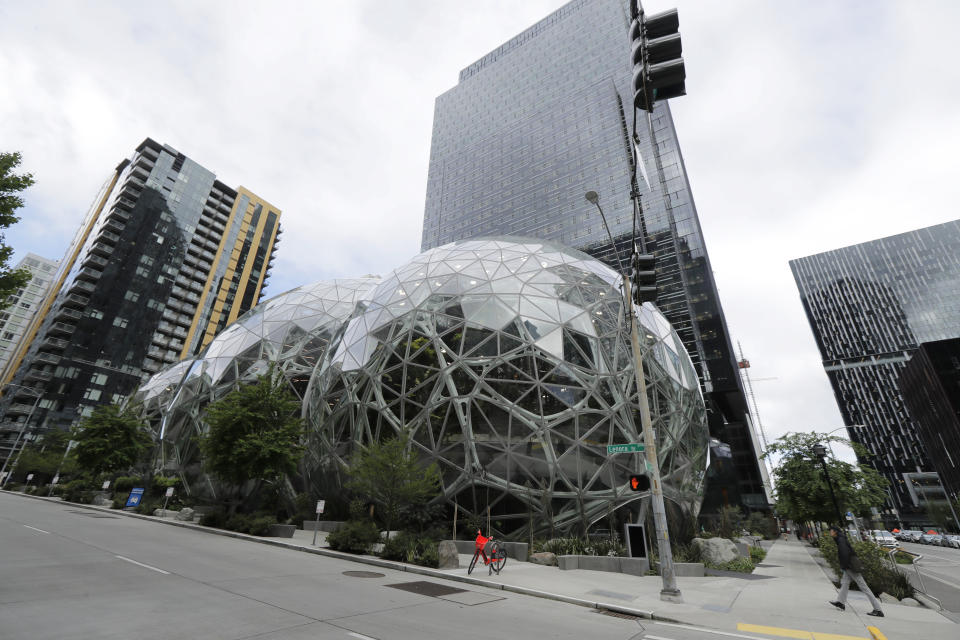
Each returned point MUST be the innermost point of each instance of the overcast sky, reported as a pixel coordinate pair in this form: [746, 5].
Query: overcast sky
[807, 126]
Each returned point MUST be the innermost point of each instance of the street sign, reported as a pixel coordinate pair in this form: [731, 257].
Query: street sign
[106, 485]
[169, 491]
[849, 515]
[624, 448]
[320, 505]
[29, 477]
[136, 494]
[55, 480]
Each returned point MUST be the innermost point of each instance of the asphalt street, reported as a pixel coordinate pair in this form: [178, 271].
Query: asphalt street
[940, 567]
[70, 573]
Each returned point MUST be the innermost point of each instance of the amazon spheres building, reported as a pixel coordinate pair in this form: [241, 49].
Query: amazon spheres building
[505, 360]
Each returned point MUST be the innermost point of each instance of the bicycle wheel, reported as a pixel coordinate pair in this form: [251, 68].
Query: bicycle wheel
[499, 559]
[473, 563]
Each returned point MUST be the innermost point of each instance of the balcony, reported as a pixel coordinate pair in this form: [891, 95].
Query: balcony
[109, 237]
[104, 249]
[53, 343]
[95, 260]
[19, 409]
[47, 358]
[39, 374]
[89, 274]
[75, 300]
[114, 225]
[62, 328]
[82, 285]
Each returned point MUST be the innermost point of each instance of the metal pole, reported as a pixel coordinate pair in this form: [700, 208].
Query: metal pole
[833, 496]
[669, 592]
[60, 466]
[316, 528]
[19, 435]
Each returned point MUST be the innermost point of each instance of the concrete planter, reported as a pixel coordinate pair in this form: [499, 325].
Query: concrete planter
[323, 525]
[281, 530]
[613, 564]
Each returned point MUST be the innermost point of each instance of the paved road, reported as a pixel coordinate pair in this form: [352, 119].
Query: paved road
[69, 573]
[940, 567]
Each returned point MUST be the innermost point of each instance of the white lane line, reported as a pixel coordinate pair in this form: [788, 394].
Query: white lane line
[145, 566]
[359, 636]
[708, 631]
[649, 637]
[35, 529]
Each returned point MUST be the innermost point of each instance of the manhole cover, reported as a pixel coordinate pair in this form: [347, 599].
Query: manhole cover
[363, 574]
[427, 588]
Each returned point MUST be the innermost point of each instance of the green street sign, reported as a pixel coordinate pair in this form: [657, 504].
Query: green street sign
[624, 448]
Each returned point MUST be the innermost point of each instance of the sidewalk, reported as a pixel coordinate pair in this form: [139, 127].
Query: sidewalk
[787, 593]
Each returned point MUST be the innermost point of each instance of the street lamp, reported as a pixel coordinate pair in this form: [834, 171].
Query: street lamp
[821, 452]
[23, 428]
[669, 592]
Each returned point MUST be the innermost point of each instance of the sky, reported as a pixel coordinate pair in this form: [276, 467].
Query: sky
[807, 126]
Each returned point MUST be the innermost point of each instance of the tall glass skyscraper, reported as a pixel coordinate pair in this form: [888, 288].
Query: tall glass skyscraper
[870, 306]
[544, 118]
[166, 257]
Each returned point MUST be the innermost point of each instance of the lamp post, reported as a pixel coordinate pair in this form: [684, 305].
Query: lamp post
[669, 592]
[23, 428]
[821, 452]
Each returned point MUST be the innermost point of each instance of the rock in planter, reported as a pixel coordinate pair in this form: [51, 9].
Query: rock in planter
[544, 558]
[716, 550]
[910, 602]
[185, 514]
[449, 558]
[888, 599]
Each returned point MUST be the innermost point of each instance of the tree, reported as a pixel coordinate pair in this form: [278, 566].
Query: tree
[255, 433]
[389, 474]
[11, 184]
[45, 457]
[802, 492]
[110, 440]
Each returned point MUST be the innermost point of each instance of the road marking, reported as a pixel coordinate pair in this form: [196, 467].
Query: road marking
[705, 630]
[649, 637]
[360, 636]
[35, 529]
[795, 633]
[876, 633]
[145, 566]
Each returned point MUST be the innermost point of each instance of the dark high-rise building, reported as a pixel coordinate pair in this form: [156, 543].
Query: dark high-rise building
[930, 384]
[870, 306]
[166, 257]
[544, 118]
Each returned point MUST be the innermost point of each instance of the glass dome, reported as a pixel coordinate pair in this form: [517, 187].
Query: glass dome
[507, 363]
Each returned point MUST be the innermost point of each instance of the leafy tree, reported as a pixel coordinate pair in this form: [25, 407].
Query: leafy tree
[45, 457]
[389, 474]
[11, 184]
[802, 492]
[255, 433]
[110, 440]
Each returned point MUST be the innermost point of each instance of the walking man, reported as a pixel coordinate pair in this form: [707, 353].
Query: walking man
[852, 567]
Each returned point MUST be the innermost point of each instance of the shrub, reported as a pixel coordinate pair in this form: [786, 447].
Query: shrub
[880, 577]
[78, 491]
[147, 507]
[124, 484]
[740, 565]
[687, 553]
[354, 536]
[239, 522]
[217, 518]
[118, 503]
[430, 556]
[757, 554]
[260, 525]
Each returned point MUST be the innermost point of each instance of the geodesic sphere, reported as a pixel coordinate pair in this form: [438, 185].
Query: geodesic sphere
[507, 362]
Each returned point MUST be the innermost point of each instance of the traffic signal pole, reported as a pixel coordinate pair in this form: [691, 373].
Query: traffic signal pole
[669, 592]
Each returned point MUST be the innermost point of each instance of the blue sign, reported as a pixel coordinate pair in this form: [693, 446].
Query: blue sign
[134, 499]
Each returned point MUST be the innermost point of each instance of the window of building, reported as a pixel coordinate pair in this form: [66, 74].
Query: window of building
[98, 379]
[120, 322]
[8, 335]
[95, 314]
[92, 394]
[132, 296]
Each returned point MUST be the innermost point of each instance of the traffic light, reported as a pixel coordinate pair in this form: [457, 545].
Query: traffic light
[643, 278]
[659, 73]
[640, 482]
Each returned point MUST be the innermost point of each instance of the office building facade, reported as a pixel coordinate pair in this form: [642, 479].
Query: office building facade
[930, 384]
[544, 118]
[165, 258]
[24, 303]
[870, 306]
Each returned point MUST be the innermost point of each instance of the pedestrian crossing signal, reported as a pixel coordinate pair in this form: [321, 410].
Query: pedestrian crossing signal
[640, 482]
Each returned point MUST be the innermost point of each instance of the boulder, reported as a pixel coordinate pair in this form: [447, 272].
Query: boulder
[449, 557]
[888, 599]
[544, 558]
[910, 602]
[185, 514]
[716, 550]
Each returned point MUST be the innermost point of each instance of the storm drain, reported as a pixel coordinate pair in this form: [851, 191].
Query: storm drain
[425, 588]
[363, 574]
[617, 614]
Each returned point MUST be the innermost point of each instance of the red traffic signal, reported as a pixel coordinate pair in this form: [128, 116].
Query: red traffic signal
[640, 482]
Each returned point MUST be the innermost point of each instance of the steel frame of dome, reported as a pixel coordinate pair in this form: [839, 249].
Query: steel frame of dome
[506, 361]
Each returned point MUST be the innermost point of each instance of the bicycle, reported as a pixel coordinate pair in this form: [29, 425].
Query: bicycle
[494, 555]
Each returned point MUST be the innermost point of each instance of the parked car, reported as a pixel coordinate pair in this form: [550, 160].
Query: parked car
[915, 536]
[952, 541]
[884, 538]
[928, 538]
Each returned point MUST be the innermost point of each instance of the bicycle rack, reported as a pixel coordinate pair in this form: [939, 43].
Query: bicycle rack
[916, 558]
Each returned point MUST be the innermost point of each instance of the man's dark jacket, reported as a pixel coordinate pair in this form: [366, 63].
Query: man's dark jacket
[845, 552]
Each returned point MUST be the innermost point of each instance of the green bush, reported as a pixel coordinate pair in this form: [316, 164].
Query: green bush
[687, 553]
[217, 519]
[147, 507]
[79, 491]
[239, 522]
[757, 554]
[430, 556]
[354, 536]
[260, 525]
[124, 484]
[880, 577]
[740, 565]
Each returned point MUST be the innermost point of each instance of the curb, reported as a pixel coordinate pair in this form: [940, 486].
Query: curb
[376, 562]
